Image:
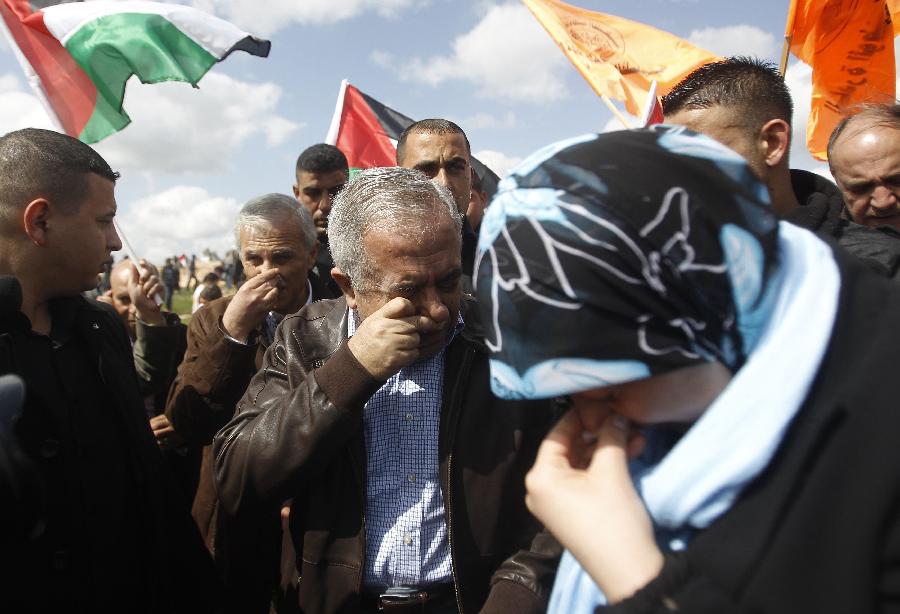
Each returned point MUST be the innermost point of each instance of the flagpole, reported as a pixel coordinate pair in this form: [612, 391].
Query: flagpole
[129, 251]
[334, 128]
[615, 111]
[788, 36]
[31, 75]
[650, 105]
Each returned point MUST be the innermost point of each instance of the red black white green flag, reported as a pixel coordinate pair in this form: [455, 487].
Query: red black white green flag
[77, 56]
[366, 131]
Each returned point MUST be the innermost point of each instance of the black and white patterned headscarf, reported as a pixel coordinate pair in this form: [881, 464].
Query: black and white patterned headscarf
[609, 258]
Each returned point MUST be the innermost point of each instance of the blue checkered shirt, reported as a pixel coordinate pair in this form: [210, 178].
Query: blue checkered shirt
[406, 536]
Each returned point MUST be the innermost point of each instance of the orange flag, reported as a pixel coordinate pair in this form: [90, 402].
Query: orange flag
[850, 46]
[618, 57]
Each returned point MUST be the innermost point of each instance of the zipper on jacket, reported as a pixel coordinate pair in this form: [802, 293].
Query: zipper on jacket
[455, 402]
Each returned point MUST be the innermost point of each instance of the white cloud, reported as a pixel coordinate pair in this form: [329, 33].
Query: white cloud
[8, 83]
[264, 19]
[178, 129]
[175, 128]
[182, 219]
[382, 59]
[740, 39]
[498, 162]
[481, 121]
[21, 109]
[798, 78]
[506, 56]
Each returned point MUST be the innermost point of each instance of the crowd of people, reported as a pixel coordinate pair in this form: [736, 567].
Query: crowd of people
[652, 373]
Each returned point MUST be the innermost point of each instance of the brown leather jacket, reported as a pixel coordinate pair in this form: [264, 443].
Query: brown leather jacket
[299, 433]
[210, 381]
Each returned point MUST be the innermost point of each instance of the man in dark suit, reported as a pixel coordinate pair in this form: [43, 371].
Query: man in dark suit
[112, 536]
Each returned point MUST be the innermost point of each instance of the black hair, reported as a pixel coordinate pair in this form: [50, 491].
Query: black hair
[42, 163]
[211, 293]
[430, 126]
[322, 158]
[753, 86]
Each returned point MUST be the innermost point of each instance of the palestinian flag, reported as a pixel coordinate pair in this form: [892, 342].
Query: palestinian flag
[367, 131]
[77, 56]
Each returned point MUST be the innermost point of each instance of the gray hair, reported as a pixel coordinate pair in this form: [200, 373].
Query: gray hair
[268, 209]
[401, 200]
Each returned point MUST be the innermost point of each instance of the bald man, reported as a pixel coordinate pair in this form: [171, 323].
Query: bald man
[158, 337]
[864, 156]
[158, 343]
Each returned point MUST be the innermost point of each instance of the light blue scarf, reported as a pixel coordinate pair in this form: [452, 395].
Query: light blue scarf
[700, 477]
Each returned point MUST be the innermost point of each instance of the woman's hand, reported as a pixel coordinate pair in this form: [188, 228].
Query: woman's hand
[581, 490]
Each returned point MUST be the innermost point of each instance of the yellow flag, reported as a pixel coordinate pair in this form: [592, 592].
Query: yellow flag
[850, 46]
[618, 57]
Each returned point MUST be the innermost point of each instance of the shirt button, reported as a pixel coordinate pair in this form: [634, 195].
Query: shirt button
[409, 417]
[407, 539]
[411, 477]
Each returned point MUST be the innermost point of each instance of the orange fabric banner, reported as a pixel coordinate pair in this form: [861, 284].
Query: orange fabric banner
[618, 57]
[850, 46]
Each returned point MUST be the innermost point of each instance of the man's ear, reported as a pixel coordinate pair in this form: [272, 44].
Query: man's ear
[296, 190]
[775, 141]
[35, 218]
[343, 283]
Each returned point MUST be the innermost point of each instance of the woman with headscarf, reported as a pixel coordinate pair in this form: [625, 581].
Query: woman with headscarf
[733, 438]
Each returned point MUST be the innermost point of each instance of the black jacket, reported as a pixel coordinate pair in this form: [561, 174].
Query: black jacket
[822, 211]
[819, 529]
[298, 433]
[54, 570]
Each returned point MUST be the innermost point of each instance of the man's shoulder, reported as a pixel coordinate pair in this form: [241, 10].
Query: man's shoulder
[318, 329]
[94, 314]
[211, 311]
[319, 312]
[93, 308]
[474, 331]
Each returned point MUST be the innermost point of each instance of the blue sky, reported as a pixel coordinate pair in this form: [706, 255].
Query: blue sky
[192, 157]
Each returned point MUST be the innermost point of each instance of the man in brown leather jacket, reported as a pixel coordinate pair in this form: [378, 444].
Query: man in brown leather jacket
[373, 412]
[226, 341]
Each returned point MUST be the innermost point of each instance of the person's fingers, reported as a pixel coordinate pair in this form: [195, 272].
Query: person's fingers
[144, 273]
[423, 324]
[612, 441]
[135, 277]
[152, 287]
[559, 443]
[592, 411]
[636, 444]
[271, 296]
[260, 279]
[408, 341]
[397, 307]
